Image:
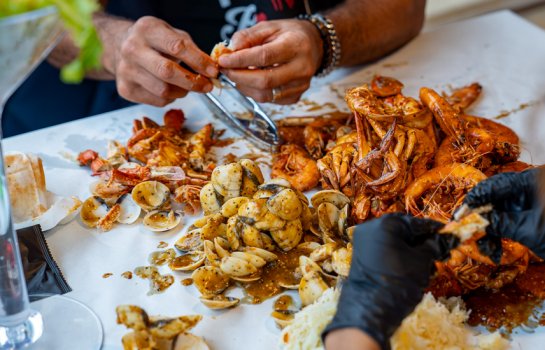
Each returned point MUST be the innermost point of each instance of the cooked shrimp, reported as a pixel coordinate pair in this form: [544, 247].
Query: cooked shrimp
[294, 164]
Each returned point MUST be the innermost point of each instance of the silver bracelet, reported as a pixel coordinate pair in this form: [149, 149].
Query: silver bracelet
[332, 44]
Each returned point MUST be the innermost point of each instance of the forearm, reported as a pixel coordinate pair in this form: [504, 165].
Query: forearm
[110, 29]
[370, 29]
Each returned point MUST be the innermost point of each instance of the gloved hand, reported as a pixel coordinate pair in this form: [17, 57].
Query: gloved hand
[393, 260]
[517, 208]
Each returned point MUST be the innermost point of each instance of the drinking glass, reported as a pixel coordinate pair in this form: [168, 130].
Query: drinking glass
[56, 322]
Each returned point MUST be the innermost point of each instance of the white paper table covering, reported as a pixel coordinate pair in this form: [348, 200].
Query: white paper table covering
[501, 51]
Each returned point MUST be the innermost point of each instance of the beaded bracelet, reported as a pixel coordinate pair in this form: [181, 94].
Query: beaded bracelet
[332, 44]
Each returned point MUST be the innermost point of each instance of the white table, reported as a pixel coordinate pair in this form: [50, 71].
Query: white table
[501, 51]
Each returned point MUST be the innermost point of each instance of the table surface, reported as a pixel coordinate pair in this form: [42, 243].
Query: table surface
[501, 51]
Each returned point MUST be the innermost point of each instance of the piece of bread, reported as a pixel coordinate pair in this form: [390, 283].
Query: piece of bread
[26, 185]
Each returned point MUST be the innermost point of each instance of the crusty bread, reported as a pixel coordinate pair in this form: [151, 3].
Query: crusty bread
[26, 184]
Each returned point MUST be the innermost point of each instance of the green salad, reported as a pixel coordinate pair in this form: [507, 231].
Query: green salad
[77, 18]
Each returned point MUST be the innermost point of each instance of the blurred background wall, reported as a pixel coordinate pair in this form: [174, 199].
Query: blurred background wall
[444, 11]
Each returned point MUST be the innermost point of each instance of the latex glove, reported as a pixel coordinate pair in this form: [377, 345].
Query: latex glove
[517, 209]
[283, 55]
[392, 262]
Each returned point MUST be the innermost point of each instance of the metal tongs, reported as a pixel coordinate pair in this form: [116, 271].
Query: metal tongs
[249, 120]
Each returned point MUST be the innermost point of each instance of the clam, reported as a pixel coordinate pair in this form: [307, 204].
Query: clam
[277, 181]
[232, 232]
[252, 210]
[150, 195]
[210, 253]
[210, 200]
[283, 318]
[187, 262]
[285, 204]
[343, 221]
[227, 180]
[130, 211]
[231, 207]
[191, 241]
[214, 227]
[255, 260]
[218, 302]
[262, 253]
[312, 285]
[236, 267]
[93, 209]
[328, 217]
[251, 236]
[218, 246]
[252, 177]
[336, 198]
[269, 222]
[188, 341]
[210, 280]
[340, 260]
[161, 220]
[323, 252]
[247, 279]
[289, 236]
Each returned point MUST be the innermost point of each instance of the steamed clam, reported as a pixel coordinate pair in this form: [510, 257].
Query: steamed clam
[130, 211]
[150, 195]
[187, 262]
[210, 280]
[191, 241]
[218, 302]
[93, 209]
[161, 220]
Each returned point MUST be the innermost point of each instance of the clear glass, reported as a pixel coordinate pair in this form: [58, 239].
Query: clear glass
[25, 40]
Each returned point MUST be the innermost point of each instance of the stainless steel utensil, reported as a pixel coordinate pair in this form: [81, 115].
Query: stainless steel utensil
[250, 121]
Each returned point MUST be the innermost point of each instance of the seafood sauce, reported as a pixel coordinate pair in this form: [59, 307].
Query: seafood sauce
[514, 305]
[276, 274]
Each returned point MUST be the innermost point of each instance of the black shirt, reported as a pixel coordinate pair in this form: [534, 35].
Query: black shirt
[43, 100]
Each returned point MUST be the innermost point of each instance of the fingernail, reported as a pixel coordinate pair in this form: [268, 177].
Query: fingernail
[212, 71]
[208, 87]
[224, 60]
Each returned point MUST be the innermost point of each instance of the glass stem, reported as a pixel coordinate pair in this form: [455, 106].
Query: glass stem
[14, 304]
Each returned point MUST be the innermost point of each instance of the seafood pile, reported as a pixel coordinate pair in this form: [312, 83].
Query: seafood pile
[400, 154]
[158, 333]
[160, 171]
[420, 156]
[264, 235]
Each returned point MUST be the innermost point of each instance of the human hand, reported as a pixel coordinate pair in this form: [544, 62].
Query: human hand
[144, 57]
[517, 207]
[281, 55]
[393, 260]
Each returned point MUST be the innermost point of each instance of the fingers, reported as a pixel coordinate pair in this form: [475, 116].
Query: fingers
[276, 52]
[253, 36]
[506, 191]
[176, 43]
[170, 72]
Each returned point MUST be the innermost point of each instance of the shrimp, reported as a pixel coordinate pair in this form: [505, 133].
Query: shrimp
[464, 97]
[439, 191]
[294, 164]
[386, 86]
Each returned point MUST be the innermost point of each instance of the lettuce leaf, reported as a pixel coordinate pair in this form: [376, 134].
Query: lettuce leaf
[77, 17]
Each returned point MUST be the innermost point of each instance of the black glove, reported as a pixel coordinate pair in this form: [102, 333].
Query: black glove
[392, 262]
[517, 208]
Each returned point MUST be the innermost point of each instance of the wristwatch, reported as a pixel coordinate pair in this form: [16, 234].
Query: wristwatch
[332, 44]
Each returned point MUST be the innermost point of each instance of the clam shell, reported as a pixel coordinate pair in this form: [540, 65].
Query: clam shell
[247, 279]
[262, 253]
[187, 262]
[130, 211]
[190, 241]
[285, 204]
[150, 195]
[161, 220]
[236, 267]
[210, 201]
[188, 341]
[283, 318]
[92, 210]
[336, 198]
[255, 260]
[231, 207]
[218, 302]
[210, 280]
[227, 180]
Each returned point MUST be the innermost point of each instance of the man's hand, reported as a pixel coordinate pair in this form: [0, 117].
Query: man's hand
[392, 262]
[282, 55]
[144, 57]
[518, 211]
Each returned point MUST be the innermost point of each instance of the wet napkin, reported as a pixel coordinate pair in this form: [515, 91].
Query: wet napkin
[42, 274]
